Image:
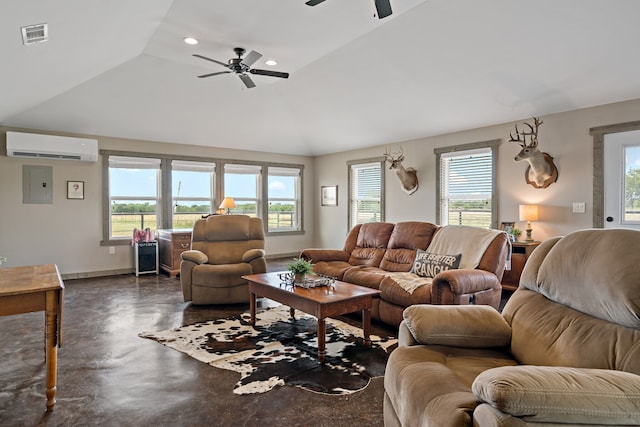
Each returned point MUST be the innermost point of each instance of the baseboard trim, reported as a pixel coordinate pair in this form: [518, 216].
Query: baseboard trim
[90, 274]
[285, 255]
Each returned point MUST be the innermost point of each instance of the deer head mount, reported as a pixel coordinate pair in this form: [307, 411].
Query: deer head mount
[541, 172]
[408, 177]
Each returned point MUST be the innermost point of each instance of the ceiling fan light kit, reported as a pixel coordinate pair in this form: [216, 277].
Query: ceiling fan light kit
[383, 7]
[241, 66]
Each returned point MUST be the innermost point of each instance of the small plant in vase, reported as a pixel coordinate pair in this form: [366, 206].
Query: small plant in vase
[515, 234]
[2, 260]
[300, 268]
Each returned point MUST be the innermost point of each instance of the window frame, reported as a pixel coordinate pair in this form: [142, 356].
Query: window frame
[209, 168]
[297, 201]
[493, 146]
[350, 165]
[165, 217]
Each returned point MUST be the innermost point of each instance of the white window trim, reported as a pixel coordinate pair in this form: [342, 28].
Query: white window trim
[352, 163]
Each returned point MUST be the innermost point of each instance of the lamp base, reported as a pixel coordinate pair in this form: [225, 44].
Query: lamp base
[529, 239]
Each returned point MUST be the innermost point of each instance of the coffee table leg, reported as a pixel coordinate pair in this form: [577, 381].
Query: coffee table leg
[366, 326]
[51, 354]
[322, 331]
[292, 313]
[252, 307]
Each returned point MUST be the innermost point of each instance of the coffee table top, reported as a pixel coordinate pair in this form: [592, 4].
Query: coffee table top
[340, 291]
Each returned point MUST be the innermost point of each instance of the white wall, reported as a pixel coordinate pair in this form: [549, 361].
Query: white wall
[68, 232]
[565, 136]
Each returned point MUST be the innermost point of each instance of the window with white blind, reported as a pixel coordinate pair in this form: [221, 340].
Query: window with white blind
[193, 191]
[283, 198]
[465, 190]
[134, 195]
[366, 191]
[242, 183]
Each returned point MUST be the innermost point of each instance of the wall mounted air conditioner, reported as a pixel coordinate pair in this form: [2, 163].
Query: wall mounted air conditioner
[31, 145]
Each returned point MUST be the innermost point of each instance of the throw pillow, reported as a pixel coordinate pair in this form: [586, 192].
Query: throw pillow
[427, 264]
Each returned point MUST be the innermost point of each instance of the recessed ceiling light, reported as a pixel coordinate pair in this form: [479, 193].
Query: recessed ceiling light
[190, 40]
[271, 62]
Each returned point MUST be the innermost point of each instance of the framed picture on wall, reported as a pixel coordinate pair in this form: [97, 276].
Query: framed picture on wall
[329, 195]
[75, 189]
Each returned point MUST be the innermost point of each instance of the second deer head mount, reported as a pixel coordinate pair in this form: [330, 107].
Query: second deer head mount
[541, 172]
[408, 177]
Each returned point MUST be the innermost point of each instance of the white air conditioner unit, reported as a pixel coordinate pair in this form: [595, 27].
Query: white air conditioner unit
[32, 145]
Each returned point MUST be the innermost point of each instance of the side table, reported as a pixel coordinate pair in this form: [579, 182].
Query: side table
[520, 252]
[172, 242]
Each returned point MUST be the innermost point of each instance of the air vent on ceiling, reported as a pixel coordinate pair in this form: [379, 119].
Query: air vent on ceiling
[35, 33]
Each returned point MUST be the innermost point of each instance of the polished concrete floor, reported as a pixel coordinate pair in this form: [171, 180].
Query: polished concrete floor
[108, 376]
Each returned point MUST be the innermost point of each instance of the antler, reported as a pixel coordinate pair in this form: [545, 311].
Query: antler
[532, 134]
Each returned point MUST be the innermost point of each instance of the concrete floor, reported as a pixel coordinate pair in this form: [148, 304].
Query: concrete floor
[108, 376]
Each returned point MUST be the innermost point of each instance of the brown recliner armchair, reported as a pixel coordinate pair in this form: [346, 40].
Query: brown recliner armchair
[565, 351]
[223, 249]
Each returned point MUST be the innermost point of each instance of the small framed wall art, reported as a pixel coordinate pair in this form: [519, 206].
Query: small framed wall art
[75, 189]
[329, 195]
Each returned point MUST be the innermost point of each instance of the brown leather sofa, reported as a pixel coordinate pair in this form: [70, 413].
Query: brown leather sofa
[565, 351]
[374, 252]
[223, 249]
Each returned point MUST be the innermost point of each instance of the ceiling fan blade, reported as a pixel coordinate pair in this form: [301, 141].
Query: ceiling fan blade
[214, 74]
[209, 59]
[384, 8]
[247, 80]
[269, 73]
[252, 57]
[313, 2]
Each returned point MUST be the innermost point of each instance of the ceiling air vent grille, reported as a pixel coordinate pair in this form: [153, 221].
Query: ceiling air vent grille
[35, 33]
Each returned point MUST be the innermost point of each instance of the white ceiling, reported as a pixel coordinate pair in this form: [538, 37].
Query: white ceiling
[120, 68]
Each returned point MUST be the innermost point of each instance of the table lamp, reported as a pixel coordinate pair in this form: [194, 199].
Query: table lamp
[227, 204]
[528, 213]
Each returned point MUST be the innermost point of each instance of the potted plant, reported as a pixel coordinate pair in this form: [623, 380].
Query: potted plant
[515, 232]
[299, 267]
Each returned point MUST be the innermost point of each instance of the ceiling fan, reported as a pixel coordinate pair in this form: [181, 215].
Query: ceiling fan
[383, 7]
[242, 66]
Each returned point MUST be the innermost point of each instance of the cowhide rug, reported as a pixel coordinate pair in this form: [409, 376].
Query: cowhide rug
[282, 351]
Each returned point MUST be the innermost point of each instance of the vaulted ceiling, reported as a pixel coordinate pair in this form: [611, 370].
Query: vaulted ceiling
[121, 68]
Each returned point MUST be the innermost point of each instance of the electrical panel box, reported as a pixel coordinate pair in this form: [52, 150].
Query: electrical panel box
[146, 257]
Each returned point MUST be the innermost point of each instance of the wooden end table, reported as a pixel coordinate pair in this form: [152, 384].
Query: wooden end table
[321, 302]
[37, 288]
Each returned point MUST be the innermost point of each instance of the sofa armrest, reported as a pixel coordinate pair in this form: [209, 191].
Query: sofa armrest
[194, 256]
[469, 326]
[405, 337]
[252, 254]
[317, 255]
[561, 394]
[449, 285]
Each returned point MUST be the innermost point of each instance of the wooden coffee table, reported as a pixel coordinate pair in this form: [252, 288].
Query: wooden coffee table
[321, 302]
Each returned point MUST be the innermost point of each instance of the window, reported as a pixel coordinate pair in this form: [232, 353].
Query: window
[465, 188]
[193, 188]
[242, 183]
[134, 195]
[164, 191]
[283, 187]
[366, 190]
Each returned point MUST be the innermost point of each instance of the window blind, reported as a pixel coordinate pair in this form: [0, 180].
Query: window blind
[365, 193]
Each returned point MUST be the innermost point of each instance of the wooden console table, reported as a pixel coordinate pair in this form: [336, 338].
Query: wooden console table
[171, 243]
[520, 252]
[37, 288]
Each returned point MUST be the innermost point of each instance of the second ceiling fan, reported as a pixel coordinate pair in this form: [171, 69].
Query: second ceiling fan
[242, 66]
[383, 7]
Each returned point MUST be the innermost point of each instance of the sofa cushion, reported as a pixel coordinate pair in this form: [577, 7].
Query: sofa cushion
[369, 277]
[471, 326]
[371, 244]
[392, 292]
[405, 239]
[427, 264]
[597, 258]
[332, 268]
[412, 372]
[562, 395]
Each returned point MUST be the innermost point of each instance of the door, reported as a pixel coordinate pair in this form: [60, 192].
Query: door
[622, 180]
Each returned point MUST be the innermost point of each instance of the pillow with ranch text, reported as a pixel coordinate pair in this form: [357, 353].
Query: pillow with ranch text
[427, 264]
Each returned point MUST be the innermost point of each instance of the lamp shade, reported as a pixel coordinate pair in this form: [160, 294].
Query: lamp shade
[528, 212]
[227, 203]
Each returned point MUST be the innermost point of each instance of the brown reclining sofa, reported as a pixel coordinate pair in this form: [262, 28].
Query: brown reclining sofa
[381, 255]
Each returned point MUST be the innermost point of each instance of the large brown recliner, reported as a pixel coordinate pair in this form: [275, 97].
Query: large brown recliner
[565, 351]
[374, 252]
[223, 249]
